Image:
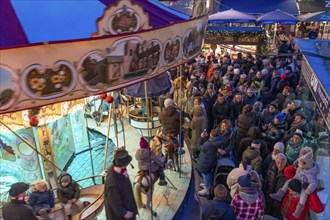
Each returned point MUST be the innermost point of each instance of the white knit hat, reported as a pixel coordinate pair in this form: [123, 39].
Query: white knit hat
[306, 161]
[168, 102]
[279, 146]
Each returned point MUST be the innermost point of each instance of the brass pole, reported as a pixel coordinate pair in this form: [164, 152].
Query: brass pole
[107, 140]
[180, 136]
[30, 145]
[148, 127]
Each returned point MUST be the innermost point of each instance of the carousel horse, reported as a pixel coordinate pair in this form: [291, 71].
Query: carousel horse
[144, 183]
[156, 147]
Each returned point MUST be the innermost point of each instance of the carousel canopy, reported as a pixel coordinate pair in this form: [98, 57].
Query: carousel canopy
[277, 16]
[316, 16]
[231, 16]
[26, 21]
[156, 86]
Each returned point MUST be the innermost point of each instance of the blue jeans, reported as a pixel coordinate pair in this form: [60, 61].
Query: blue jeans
[207, 178]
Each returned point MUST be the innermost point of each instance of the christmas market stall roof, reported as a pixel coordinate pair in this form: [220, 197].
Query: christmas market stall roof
[315, 17]
[231, 16]
[258, 7]
[25, 21]
[277, 16]
[57, 51]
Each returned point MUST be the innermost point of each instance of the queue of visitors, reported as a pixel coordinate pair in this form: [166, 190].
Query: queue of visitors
[257, 112]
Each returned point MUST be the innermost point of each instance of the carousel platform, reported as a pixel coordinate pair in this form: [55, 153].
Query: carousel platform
[166, 209]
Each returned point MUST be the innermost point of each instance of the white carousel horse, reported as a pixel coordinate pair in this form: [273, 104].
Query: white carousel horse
[144, 183]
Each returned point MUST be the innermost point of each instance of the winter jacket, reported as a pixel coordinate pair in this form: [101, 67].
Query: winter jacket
[246, 142]
[244, 122]
[188, 99]
[216, 208]
[208, 153]
[308, 176]
[233, 177]
[290, 203]
[41, 200]
[273, 85]
[198, 124]
[250, 100]
[18, 210]
[248, 206]
[303, 126]
[169, 117]
[292, 151]
[267, 116]
[256, 159]
[235, 109]
[220, 111]
[142, 156]
[69, 192]
[118, 196]
[274, 133]
[228, 141]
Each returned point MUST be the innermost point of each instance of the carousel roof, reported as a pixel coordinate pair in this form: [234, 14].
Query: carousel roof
[24, 22]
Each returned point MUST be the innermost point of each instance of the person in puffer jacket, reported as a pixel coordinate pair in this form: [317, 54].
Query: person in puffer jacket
[69, 193]
[253, 154]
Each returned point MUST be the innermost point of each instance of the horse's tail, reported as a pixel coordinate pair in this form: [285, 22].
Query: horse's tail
[137, 195]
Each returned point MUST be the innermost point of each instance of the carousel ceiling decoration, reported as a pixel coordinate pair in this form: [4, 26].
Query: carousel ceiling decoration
[128, 47]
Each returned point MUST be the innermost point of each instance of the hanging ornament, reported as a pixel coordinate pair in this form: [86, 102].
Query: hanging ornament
[33, 116]
[34, 121]
[109, 99]
[103, 96]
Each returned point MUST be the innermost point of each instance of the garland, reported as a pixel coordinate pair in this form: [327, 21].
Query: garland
[247, 34]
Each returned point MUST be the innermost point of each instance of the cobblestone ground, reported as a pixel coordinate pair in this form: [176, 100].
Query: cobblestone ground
[83, 163]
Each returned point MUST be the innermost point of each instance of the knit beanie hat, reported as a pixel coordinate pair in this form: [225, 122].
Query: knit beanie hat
[297, 103]
[283, 76]
[66, 179]
[143, 143]
[244, 181]
[256, 144]
[306, 161]
[281, 116]
[299, 133]
[220, 191]
[210, 86]
[274, 103]
[168, 102]
[279, 146]
[295, 185]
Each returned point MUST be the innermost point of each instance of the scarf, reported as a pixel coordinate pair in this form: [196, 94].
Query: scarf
[121, 171]
[21, 198]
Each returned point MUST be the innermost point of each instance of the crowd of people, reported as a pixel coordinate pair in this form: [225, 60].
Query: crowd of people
[257, 111]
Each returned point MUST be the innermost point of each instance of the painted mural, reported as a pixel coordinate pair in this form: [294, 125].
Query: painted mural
[61, 140]
[9, 87]
[18, 161]
[78, 126]
[127, 59]
[193, 40]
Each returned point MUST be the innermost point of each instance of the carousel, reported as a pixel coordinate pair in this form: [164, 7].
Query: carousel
[50, 72]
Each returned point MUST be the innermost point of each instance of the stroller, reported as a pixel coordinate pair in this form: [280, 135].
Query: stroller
[222, 168]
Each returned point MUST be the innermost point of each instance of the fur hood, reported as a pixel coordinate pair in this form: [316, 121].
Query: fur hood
[249, 198]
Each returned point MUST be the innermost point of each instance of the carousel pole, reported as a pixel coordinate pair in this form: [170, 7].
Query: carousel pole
[122, 118]
[89, 147]
[107, 140]
[30, 145]
[180, 132]
[148, 127]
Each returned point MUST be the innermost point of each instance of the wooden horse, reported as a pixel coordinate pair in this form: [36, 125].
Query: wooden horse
[144, 184]
[171, 149]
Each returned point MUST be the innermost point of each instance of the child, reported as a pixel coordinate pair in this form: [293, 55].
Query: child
[306, 173]
[41, 199]
[70, 193]
[143, 156]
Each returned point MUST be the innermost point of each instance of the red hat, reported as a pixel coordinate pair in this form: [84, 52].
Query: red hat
[286, 88]
[143, 143]
[229, 89]
[283, 77]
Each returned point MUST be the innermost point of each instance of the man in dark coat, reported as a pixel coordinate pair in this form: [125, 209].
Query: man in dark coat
[119, 199]
[17, 208]
[169, 117]
[207, 157]
[220, 109]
